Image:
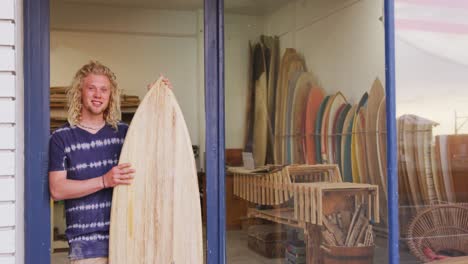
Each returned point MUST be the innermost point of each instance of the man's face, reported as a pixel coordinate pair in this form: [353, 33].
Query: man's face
[95, 96]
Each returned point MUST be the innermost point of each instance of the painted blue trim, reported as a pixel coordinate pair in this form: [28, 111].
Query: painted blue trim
[36, 131]
[392, 171]
[214, 114]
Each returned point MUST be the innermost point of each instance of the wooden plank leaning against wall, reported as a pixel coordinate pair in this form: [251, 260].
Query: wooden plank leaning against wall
[7, 131]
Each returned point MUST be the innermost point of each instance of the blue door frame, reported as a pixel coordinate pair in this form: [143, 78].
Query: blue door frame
[36, 131]
[36, 122]
[392, 172]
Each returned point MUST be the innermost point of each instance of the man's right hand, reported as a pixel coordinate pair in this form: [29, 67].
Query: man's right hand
[120, 174]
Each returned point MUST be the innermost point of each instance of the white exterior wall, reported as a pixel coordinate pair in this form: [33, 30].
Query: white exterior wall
[11, 228]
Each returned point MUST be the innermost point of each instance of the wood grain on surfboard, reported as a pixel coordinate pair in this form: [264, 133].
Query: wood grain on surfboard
[260, 125]
[149, 217]
[361, 145]
[346, 145]
[423, 135]
[376, 94]
[314, 100]
[303, 87]
[272, 43]
[381, 143]
[409, 127]
[416, 169]
[318, 129]
[354, 138]
[291, 62]
[286, 118]
[288, 131]
[403, 186]
[248, 134]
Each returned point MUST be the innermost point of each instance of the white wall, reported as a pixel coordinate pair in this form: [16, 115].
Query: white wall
[8, 130]
[342, 41]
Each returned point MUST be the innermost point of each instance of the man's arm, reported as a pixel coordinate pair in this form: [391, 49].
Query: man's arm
[62, 188]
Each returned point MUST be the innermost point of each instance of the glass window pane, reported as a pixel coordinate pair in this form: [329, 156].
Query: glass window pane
[306, 130]
[431, 65]
[138, 41]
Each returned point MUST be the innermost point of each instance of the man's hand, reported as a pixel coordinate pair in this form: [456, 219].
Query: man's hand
[164, 80]
[120, 174]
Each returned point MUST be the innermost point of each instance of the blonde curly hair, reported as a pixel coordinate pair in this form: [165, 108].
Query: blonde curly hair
[112, 114]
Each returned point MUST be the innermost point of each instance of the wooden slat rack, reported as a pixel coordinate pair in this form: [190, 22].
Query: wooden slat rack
[301, 195]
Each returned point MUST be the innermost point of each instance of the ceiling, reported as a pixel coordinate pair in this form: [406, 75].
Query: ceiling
[247, 7]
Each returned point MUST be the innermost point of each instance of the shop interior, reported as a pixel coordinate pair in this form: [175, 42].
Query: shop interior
[305, 111]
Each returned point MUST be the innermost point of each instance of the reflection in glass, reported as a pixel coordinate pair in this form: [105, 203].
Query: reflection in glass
[432, 142]
[306, 119]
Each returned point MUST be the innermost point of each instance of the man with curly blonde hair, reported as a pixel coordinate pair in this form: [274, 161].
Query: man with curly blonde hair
[83, 158]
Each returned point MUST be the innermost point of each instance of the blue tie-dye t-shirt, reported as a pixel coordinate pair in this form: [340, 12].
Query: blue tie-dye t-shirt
[83, 156]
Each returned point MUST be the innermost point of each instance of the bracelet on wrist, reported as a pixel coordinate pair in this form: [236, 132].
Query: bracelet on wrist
[103, 182]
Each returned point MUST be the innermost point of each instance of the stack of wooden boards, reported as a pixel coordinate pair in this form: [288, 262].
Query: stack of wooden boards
[59, 105]
[430, 171]
[348, 229]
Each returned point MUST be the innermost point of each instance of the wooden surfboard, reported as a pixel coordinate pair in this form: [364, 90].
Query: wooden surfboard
[403, 186]
[458, 165]
[260, 125]
[157, 219]
[376, 94]
[346, 170]
[354, 161]
[303, 86]
[334, 134]
[324, 130]
[381, 143]
[318, 129]
[272, 43]
[291, 62]
[409, 159]
[423, 138]
[248, 137]
[445, 168]
[361, 145]
[294, 77]
[338, 131]
[436, 172]
[314, 100]
[281, 92]
[337, 103]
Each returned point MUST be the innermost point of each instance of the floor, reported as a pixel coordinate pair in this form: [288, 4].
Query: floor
[238, 253]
